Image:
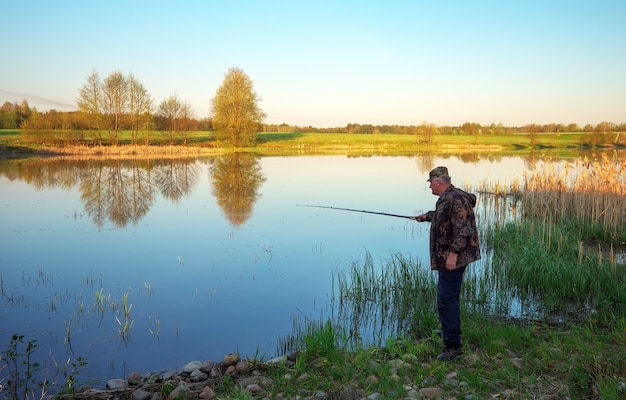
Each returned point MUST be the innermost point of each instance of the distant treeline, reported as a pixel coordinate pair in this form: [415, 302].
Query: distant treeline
[22, 116]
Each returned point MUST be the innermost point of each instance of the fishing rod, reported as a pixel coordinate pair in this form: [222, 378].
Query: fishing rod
[361, 211]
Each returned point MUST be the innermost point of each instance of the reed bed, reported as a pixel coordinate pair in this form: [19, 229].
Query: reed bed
[377, 302]
[129, 151]
[550, 279]
[588, 192]
[555, 250]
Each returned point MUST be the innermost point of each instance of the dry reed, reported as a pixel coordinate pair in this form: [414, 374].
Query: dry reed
[588, 192]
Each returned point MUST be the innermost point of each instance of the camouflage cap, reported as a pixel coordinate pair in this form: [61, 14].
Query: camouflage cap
[439, 172]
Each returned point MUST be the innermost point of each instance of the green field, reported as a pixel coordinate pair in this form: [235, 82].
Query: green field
[342, 143]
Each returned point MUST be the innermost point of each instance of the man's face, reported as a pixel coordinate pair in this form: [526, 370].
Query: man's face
[436, 186]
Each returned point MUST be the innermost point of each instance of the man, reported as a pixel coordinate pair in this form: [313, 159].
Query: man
[453, 245]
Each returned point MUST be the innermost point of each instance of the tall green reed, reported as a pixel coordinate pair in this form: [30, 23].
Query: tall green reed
[395, 298]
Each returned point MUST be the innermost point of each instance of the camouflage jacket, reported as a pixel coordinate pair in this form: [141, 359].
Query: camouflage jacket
[453, 229]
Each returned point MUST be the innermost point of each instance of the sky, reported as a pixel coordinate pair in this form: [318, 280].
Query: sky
[331, 63]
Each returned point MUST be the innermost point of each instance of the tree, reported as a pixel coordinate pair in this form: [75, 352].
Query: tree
[235, 110]
[140, 106]
[115, 102]
[427, 132]
[90, 102]
[172, 112]
[8, 116]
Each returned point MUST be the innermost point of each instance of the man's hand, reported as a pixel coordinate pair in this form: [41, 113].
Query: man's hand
[419, 218]
[451, 261]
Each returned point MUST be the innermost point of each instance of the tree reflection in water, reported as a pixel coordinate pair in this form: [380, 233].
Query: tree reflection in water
[237, 178]
[117, 190]
[123, 191]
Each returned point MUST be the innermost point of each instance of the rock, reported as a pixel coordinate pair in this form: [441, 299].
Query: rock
[254, 388]
[231, 359]
[242, 367]
[230, 370]
[178, 392]
[114, 384]
[135, 378]
[372, 379]
[207, 366]
[191, 366]
[412, 394]
[260, 380]
[518, 363]
[320, 395]
[452, 382]
[374, 396]
[216, 372]
[349, 393]
[451, 375]
[277, 360]
[198, 376]
[141, 394]
[431, 392]
[207, 393]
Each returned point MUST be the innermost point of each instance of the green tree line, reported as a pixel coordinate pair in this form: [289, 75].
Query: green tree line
[109, 105]
[13, 115]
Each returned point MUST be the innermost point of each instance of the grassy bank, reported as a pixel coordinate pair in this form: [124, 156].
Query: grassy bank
[202, 142]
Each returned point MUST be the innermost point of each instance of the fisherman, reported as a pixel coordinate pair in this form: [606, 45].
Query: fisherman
[453, 245]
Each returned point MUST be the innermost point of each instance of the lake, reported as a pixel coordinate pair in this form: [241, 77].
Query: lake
[147, 265]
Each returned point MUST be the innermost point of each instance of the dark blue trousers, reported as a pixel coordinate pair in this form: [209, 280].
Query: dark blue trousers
[448, 291]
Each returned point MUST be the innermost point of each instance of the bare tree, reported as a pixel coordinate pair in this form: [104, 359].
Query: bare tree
[171, 111]
[187, 121]
[427, 132]
[236, 114]
[115, 103]
[90, 102]
[140, 107]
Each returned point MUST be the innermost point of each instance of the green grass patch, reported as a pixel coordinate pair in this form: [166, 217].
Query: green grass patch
[295, 143]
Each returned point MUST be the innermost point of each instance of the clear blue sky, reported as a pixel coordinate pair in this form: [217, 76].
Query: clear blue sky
[330, 63]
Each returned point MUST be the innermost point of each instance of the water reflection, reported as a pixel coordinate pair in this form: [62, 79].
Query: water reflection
[176, 179]
[116, 192]
[236, 181]
[123, 191]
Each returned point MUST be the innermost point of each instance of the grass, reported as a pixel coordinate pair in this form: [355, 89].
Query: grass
[526, 360]
[203, 142]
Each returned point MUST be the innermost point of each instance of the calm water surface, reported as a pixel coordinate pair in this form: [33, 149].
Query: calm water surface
[210, 256]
